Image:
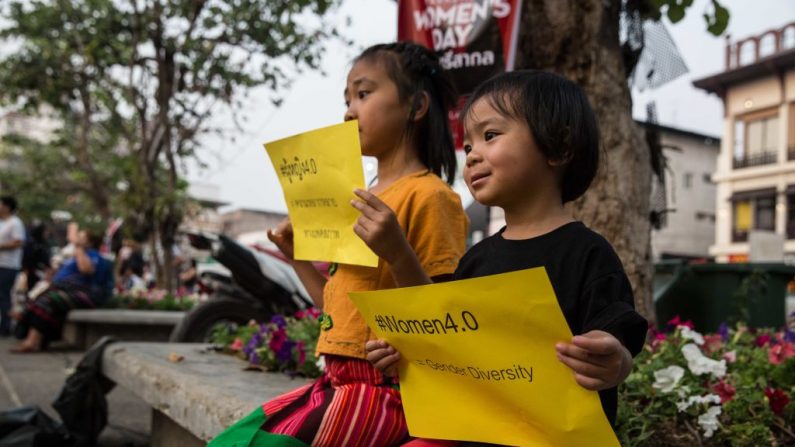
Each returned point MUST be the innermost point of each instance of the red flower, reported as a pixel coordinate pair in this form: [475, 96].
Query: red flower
[236, 345]
[313, 312]
[777, 354]
[712, 343]
[725, 391]
[762, 340]
[777, 399]
[300, 314]
[676, 322]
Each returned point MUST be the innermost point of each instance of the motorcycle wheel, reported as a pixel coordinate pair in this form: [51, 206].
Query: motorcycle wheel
[217, 313]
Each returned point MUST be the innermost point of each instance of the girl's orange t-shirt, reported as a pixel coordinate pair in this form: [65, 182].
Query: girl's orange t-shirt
[435, 224]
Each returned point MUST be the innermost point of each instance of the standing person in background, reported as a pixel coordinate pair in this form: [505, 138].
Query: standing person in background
[12, 237]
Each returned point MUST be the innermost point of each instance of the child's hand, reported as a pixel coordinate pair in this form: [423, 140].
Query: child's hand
[382, 356]
[283, 237]
[598, 359]
[378, 227]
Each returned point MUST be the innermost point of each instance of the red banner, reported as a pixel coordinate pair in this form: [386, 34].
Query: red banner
[475, 39]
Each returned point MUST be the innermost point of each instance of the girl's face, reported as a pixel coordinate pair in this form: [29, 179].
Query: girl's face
[504, 167]
[372, 98]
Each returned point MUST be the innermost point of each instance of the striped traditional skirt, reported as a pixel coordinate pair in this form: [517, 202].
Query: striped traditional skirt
[351, 404]
[47, 312]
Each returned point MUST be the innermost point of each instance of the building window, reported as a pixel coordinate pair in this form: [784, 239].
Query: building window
[753, 210]
[709, 217]
[756, 140]
[791, 128]
[687, 180]
[791, 212]
[707, 178]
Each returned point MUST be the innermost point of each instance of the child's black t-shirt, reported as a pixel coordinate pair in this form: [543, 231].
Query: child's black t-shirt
[592, 289]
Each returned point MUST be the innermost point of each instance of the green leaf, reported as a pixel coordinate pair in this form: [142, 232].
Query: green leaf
[675, 12]
[719, 20]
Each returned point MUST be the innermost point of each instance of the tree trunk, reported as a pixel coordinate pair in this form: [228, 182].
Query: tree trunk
[580, 40]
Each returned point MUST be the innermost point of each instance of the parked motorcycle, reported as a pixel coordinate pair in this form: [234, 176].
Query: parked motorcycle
[262, 284]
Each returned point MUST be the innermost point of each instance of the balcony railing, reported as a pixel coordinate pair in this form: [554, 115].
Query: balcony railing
[762, 158]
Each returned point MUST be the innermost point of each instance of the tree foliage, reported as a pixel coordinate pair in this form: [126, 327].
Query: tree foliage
[146, 76]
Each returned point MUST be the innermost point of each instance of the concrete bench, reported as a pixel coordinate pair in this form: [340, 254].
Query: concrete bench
[83, 327]
[195, 398]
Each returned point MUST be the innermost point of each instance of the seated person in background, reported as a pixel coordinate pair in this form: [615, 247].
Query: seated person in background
[188, 276]
[82, 282]
[131, 280]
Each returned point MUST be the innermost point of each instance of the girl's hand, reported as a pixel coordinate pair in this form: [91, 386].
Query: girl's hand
[283, 237]
[598, 359]
[378, 228]
[383, 357]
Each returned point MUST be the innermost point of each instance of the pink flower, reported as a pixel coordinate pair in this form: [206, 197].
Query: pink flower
[236, 345]
[677, 321]
[777, 354]
[777, 399]
[725, 391]
[712, 343]
[730, 356]
[300, 315]
[762, 340]
[314, 312]
[660, 336]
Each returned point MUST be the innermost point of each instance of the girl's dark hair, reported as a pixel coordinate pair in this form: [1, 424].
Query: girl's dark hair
[415, 69]
[559, 117]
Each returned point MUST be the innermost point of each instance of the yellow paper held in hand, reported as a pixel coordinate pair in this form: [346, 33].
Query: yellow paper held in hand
[479, 362]
[318, 171]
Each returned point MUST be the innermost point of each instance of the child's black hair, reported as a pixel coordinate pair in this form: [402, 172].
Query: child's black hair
[559, 117]
[415, 69]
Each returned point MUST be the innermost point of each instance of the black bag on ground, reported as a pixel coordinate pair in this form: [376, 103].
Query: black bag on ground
[31, 427]
[81, 402]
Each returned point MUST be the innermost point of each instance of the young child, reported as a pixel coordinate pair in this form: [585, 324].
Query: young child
[532, 145]
[400, 96]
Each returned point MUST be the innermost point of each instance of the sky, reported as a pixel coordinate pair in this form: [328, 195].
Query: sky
[244, 176]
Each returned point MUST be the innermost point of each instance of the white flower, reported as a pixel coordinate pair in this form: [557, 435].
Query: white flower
[705, 399]
[321, 363]
[690, 334]
[709, 421]
[700, 364]
[666, 379]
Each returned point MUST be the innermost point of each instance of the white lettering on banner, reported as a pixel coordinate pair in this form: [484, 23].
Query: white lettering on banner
[451, 60]
[459, 14]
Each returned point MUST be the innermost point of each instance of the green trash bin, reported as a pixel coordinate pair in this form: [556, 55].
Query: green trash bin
[710, 294]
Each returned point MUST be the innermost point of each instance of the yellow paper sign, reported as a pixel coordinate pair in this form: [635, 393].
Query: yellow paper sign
[479, 362]
[318, 171]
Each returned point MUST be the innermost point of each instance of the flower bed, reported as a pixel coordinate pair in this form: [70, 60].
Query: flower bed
[732, 388]
[285, 344]
[155, 299]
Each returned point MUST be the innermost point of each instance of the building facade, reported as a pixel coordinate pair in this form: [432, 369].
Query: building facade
[755, 174]
[687, 219]
[243, 221]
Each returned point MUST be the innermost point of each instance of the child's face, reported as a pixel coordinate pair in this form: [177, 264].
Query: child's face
[504, 167]
[372, 98]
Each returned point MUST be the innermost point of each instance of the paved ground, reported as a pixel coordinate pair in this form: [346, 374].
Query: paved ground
[35, 379]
